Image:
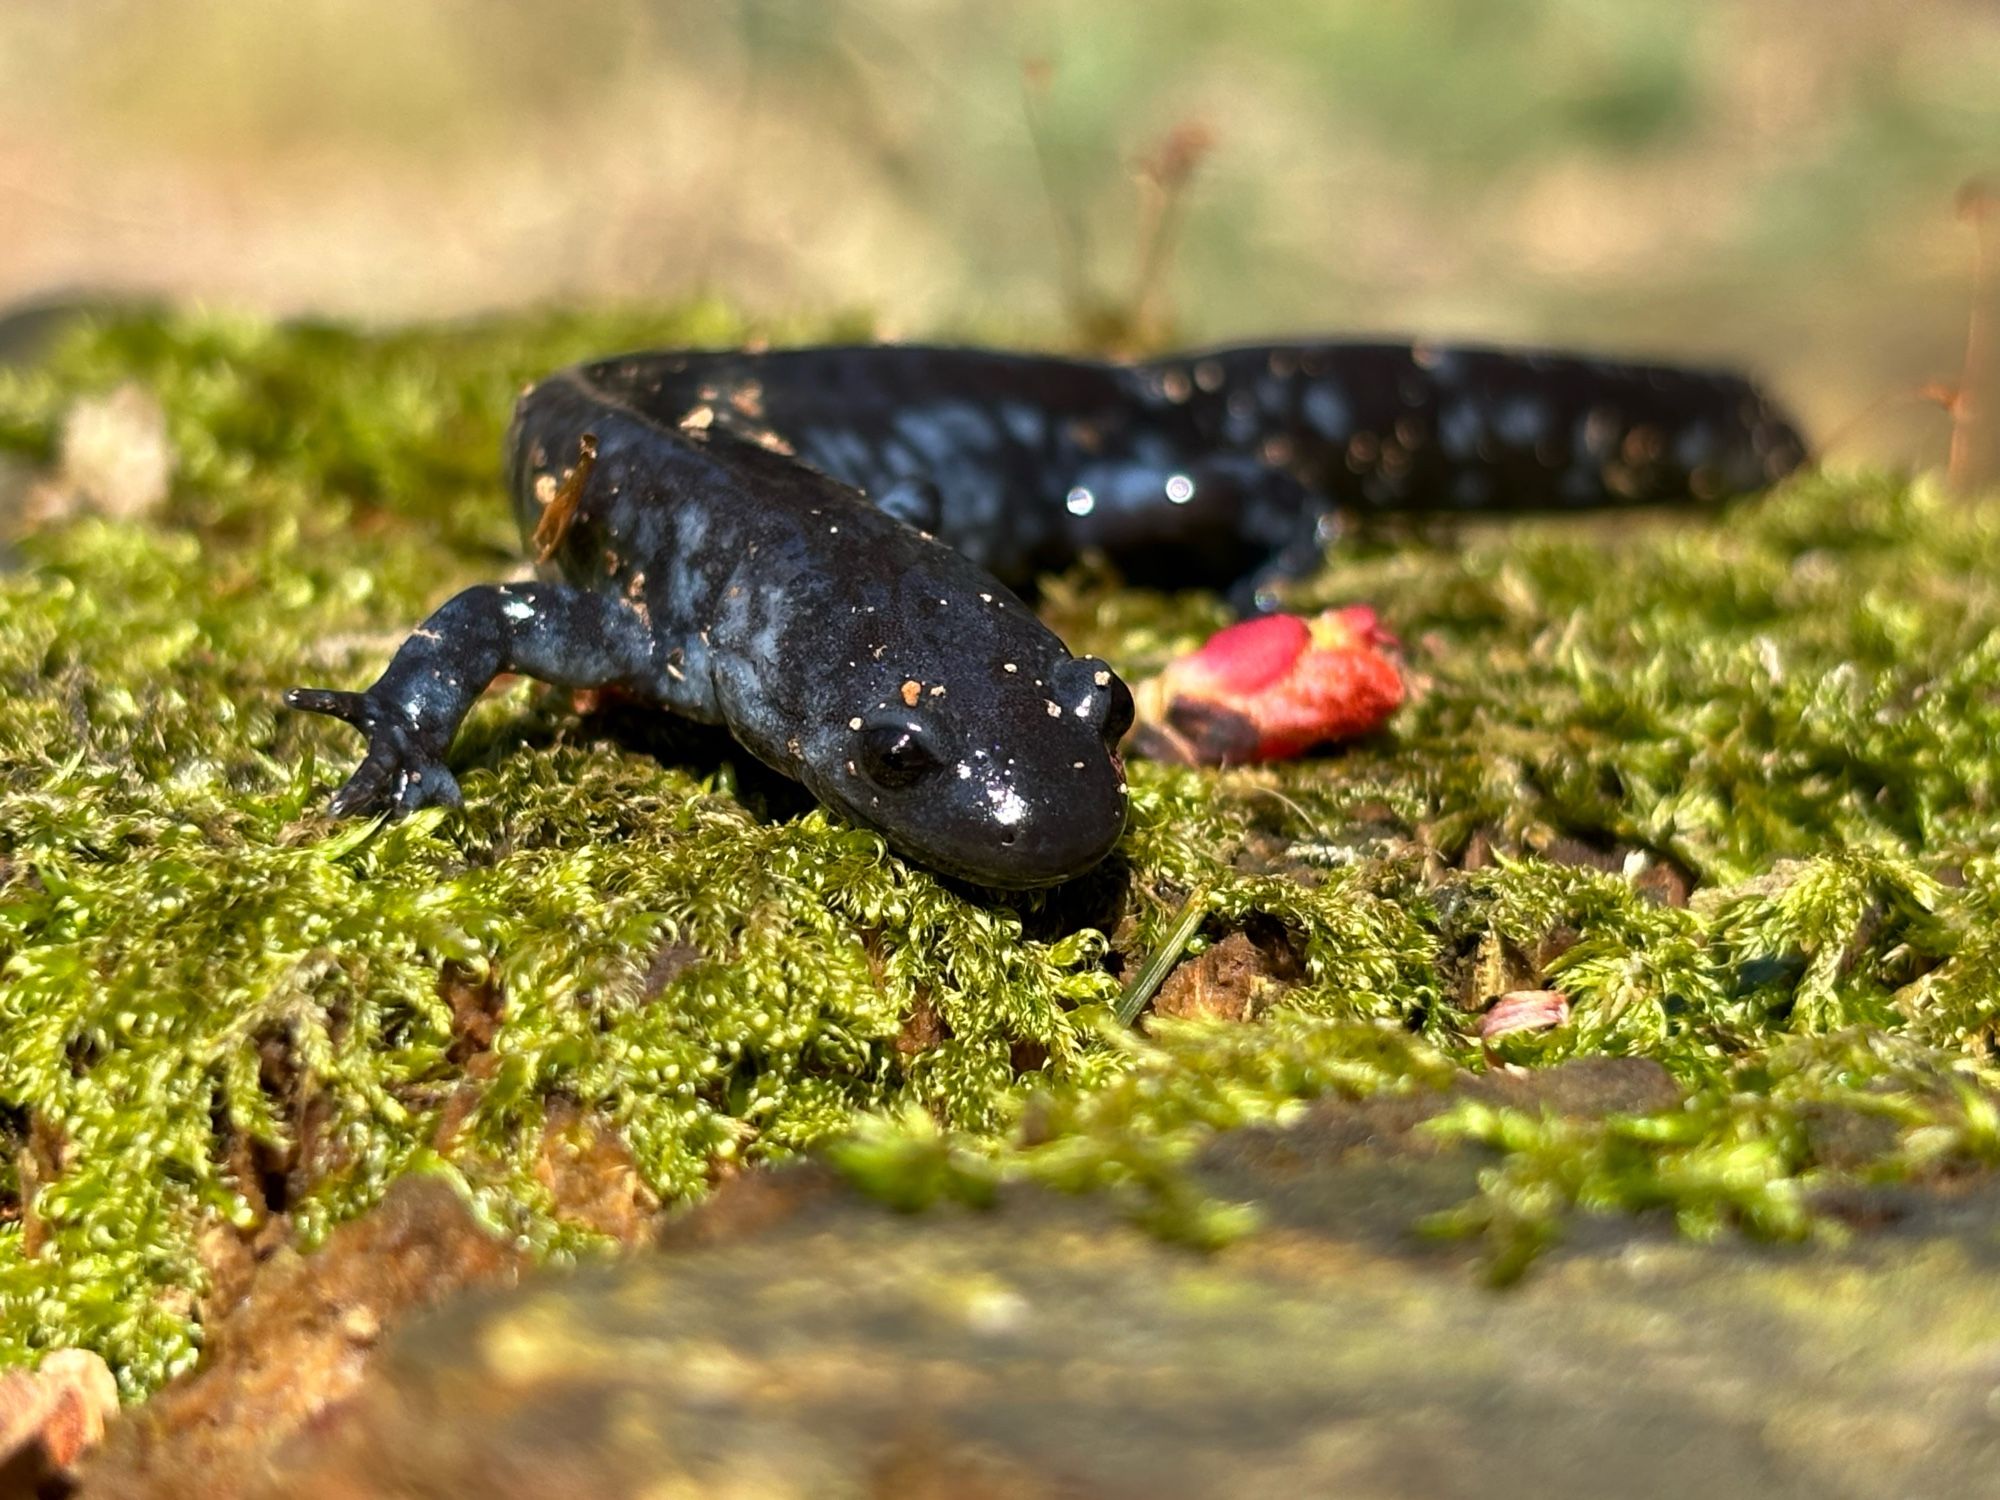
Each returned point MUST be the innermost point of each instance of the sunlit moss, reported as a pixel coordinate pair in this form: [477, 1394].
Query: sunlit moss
[1795, 706]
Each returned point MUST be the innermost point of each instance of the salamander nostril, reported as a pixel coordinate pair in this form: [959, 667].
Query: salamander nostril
[1008, 837]
[1089, 686]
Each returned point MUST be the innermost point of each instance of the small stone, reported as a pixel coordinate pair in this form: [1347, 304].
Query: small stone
[361, 1325]
[115, 459]
[49, 1418]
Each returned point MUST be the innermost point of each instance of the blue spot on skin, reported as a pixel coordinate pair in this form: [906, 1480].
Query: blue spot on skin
[1274, 395]
[1446, 366]
[1460, 427]
[944, 432]
[899, 459]
[1328, 412]
[1521, 422]
[1242, 424]
[840, 452]
[1694, 446]
[1024, 424]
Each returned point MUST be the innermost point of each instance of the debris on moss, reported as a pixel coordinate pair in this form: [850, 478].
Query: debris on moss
[218, 1007]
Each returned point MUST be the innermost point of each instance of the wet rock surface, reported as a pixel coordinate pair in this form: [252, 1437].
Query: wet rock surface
[296, 1339]
[792, 1339]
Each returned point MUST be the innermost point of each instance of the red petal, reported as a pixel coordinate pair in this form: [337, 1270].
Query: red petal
[1248, 657]
[1275, 687]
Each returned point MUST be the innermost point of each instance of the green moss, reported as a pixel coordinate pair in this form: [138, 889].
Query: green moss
[206, 986]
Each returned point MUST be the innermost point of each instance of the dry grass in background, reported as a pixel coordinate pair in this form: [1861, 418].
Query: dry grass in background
[1768, 182]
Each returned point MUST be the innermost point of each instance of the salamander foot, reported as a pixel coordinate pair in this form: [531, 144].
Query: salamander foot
[399, 774]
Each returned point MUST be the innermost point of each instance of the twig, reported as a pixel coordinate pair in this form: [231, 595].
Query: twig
[1072, 241]
[1851, 427]
[1165, 172]
[1974, 463]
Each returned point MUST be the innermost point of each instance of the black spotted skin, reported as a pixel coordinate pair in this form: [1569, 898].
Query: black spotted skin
[1412, 427]
[817, 547]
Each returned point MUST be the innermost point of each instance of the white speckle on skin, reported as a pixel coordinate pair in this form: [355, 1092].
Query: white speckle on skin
[518, 609]
[855, 722]
[1008, 666]
[1102, 679]
[1055, 709]
[987, 597]
[1007, 805]
[1180, 489]
[1080, 502]
[964, 771]
[1076, 765]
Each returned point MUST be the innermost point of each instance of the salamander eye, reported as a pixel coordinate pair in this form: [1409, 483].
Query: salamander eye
[896, 755]
[1118, 718]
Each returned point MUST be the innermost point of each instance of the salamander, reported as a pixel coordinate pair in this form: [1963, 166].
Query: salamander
[821, 548]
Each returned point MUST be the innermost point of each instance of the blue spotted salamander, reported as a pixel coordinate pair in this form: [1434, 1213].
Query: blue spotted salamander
[818, 548]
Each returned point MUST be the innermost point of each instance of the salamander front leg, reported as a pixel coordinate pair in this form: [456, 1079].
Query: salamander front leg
[548, 631]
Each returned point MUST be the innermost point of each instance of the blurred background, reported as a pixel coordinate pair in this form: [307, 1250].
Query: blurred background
[1769, 182]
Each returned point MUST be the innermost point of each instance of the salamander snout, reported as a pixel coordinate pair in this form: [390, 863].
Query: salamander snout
[1015, 788]
[1046, 801]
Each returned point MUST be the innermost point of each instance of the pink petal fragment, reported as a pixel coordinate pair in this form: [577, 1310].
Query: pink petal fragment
[1247, 657]
[1524, 1010]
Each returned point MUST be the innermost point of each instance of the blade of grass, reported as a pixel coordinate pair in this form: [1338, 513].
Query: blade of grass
[1163, 958]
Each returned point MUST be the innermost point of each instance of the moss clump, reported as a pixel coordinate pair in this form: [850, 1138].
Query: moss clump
[214, 1003]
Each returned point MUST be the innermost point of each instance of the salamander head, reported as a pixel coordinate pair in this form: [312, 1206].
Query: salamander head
[1008, 777]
